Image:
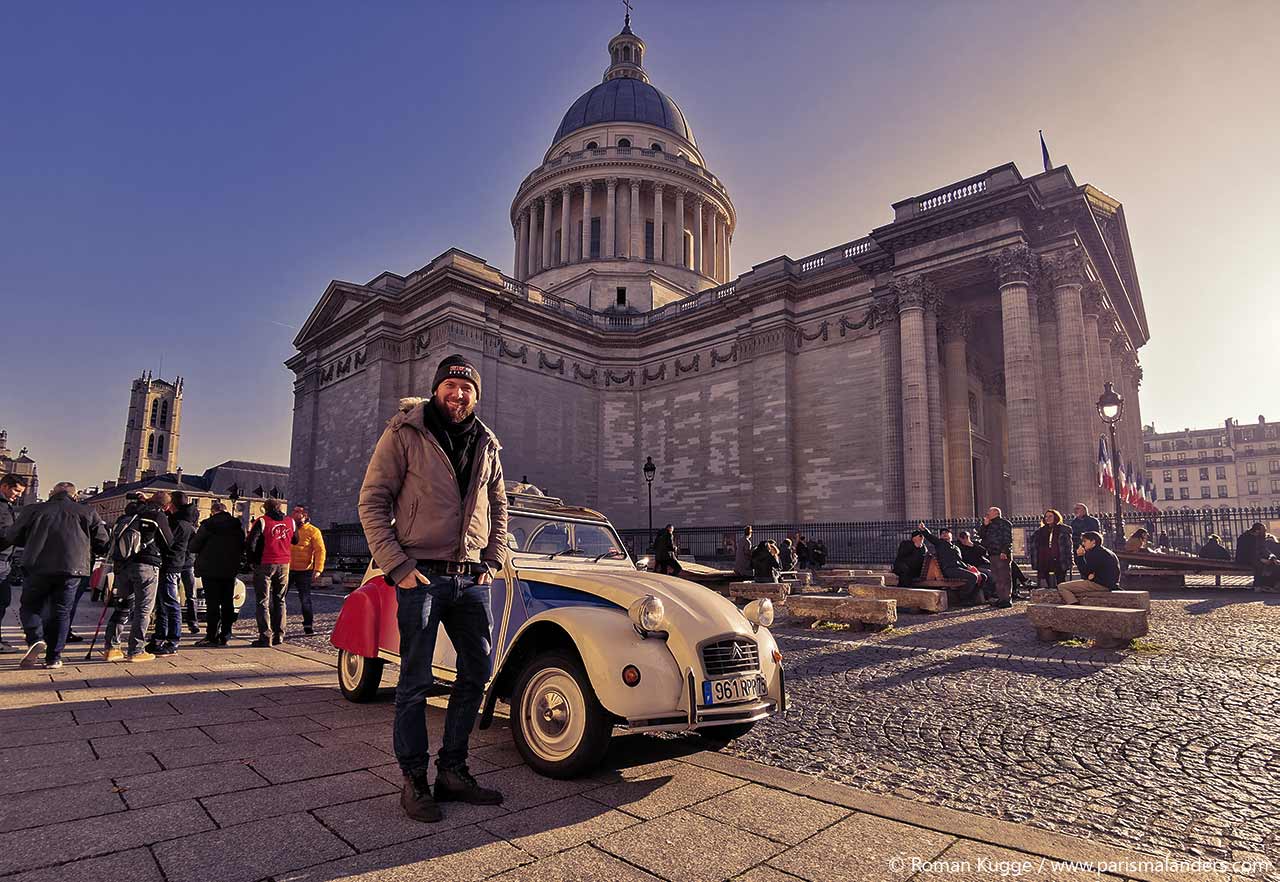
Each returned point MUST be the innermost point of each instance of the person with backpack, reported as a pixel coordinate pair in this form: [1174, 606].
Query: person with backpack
[168, 632]
[218, 547]
[140, 539]
[58, 539]
[270, 549]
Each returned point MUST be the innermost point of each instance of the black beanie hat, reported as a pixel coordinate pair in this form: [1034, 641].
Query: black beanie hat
[455, 367]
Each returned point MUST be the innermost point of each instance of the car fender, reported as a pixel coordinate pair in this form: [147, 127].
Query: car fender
[607, 642]
[356, 630]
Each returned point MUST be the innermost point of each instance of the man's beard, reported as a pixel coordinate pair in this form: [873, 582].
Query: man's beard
[455, 413]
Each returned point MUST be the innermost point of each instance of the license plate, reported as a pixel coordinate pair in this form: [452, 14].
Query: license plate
[732, 690]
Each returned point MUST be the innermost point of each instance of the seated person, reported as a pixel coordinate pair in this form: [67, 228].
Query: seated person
[952, 563]
[786, 557]
[975, 556]
[764, 562]
[1137, 540]
[1213, 549]
[1101, 571]
[818, 554]
[909, 562]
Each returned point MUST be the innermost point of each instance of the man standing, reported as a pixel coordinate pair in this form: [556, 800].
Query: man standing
[742, 554]
[434, 509]
[665, 550]
[58, 539]
[1101, 571]
[139, 544]
[305, 563]
[11, 488]
[996, 536]
[270, 548]
[1081, 523]
[218, 546]
[182, 528]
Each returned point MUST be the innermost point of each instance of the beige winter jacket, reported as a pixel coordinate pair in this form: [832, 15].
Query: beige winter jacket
[411, 480]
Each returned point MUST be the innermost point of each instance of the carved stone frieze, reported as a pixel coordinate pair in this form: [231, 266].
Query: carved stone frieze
[803, 336]
[624, 378]
[579, 374]
[521, 354]
[421, 344]
[731, 355]
[659, 374]
[557, 366]
[691, 367]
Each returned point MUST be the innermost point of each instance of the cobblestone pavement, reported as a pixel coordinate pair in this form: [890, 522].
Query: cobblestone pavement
[1174, 750]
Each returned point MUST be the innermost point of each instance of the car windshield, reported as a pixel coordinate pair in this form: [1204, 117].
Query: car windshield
[550, 537]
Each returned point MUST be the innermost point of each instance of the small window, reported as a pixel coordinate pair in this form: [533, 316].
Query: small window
[595, 238]
[1182, 474]
[624, 143]
[1250, 468]
[1184, 492]
[1168, 476]
[164, 413]
[622, 297]
[656, 147]
[1275, 485]
[160, 446]
[1221, 473]
[973, 409]
[592, 145]
[1168, 492]
[1253, 488]
[155, 410]
[1274, 466]
[151, 445]
[1222, 490]
[555, 249]
[1204, 492]
[648, 240]
[1204, 474]
[626, 53]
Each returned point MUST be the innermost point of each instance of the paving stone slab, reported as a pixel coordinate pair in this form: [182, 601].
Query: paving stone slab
[20, 721]
[503, 755]
[689, 847]
[16, 758]
[245, 731]
[376, 823]
[274, 711]
[465, 855]
[774, 814]
[765, 873]
[152, 742]
[52, 734]
[192, 720]
[40, 807]
[318, 762]
[662, 791]
[135, 865]
[214, 752]
[378, 734]
[555, 826]
[174, 785]
[581, 864]
[968, 861]
[282, 799]
[76, 772]
[862, 848]
[522, 787]
[251, 851]
[70, 840]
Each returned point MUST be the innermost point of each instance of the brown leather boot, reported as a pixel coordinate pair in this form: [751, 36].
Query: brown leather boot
[457, 784]
[415, 798]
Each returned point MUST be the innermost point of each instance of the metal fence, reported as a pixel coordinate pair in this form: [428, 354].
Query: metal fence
[874, 542]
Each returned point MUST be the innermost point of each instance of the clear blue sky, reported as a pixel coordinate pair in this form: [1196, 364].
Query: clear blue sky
[181, 181]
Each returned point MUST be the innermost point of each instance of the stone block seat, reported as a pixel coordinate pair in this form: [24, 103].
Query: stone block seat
[1156, 578]
[930, 600]
[858, 612]
[1109, 627]
[838, 581]
[1115, 600]
[746, 591]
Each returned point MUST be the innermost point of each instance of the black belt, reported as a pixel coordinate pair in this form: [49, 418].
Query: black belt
[451, 568]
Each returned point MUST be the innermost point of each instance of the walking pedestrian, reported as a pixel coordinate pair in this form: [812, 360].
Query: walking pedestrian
[742, 554]
[1100, 575]
[306, 561]
[11, 489]
[138, 548]
[434, 509]
[1052, 553]
[665, 551]
[803, 553]
[270, 543]
[996, 536]
[219, 547]
[58, 539]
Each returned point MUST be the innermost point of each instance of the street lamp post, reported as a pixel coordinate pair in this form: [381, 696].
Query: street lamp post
[1111, 408]
[649, 471]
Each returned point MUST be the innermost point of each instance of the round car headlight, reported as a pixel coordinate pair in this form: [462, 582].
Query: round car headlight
[759, 612]
[647, 613]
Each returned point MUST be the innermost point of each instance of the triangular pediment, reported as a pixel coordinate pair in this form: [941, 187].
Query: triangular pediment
[338, 299]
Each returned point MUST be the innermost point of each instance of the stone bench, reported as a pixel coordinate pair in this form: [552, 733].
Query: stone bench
[837, 583]
[854, 611]
[775, 591]
[1114, 600]
[924, 599]
[1109, 627]
[1156, 578]
[803, 578]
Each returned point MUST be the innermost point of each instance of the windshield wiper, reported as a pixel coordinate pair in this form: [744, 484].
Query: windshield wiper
[612, 552]
[552, 555]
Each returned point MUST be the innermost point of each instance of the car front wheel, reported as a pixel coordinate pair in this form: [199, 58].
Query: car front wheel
[558, 724]
[358, 677]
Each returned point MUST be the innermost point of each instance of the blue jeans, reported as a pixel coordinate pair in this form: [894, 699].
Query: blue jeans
[169, 611]
[59, 592]
[189, 589]
[464, 609]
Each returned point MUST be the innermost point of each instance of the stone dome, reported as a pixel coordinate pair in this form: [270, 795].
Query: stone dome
[625, 99]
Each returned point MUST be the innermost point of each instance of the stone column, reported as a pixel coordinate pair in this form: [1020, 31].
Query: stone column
[610, 224]
[697, 234]
[1042, 400]
[546, 231]
[955, 332]
[1077, 442]
[522, 247]
[657, 222]
[715, 245]
[586, 221]
[885, 311]
[679, 255]
[637, 241]
[1055, 470]
[531, 260]
[937, 429]
[728, 264]
[565, 239]
[1092, 305]
[914, 393]
[1013, 270]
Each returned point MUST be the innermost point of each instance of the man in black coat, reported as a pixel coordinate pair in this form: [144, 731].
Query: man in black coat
[181, 514]
[59, 538]
[11, 489]
[664, 552]
[1081, 522]
[1101, 571]
[951, 562]
[1213, 549]
[218, 547]
[909, 561]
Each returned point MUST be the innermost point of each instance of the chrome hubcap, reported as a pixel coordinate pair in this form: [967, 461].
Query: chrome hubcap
[554, 714]
[352, 666]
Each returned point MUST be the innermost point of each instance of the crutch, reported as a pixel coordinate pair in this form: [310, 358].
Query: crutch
[106, 605]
